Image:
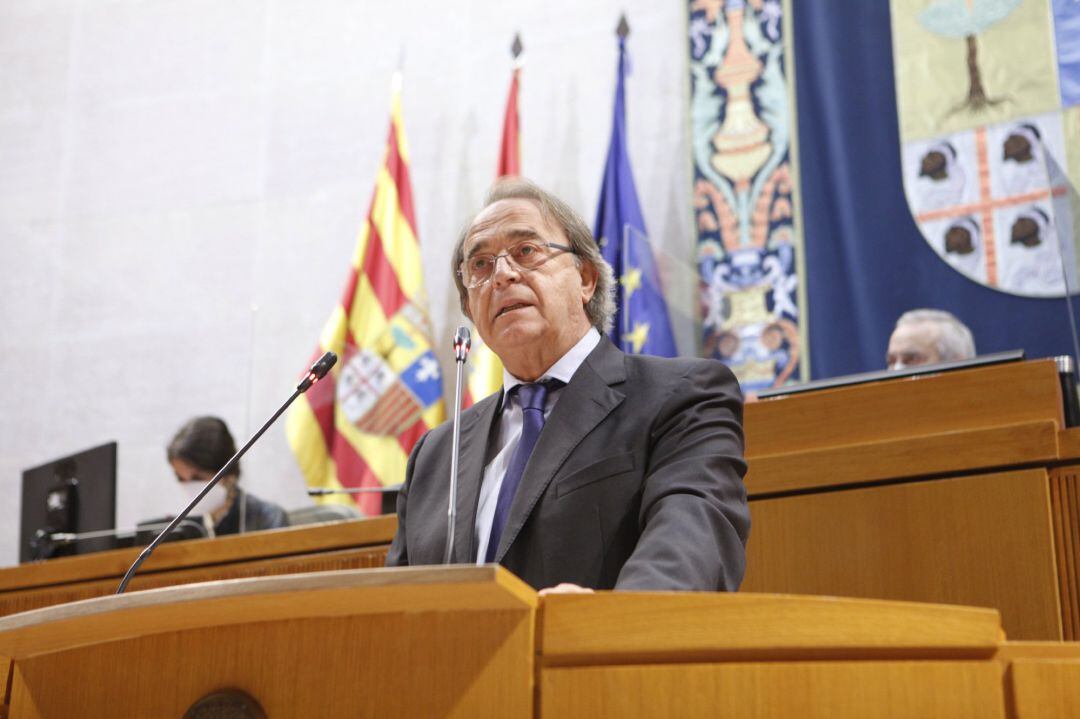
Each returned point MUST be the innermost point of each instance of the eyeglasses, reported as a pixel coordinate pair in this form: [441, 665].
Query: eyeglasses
[526, 256]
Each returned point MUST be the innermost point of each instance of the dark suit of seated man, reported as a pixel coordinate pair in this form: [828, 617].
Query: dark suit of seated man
[591, 469]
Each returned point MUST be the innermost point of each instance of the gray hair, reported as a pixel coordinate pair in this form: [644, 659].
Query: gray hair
[601, 308]
[954, 341]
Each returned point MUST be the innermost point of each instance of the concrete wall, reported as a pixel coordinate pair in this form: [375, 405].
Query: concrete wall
[181, 183]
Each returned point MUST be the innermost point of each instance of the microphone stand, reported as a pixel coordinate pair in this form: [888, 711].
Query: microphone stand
[317, 372]
[462, 345]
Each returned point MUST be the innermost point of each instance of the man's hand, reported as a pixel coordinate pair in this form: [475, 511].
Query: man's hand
[565, 588]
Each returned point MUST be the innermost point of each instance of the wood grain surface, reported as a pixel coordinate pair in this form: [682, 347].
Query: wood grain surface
[984, 540]
[651, 627]
[997, 396]
[202, 552]
[1065, 509]
[263, 599]
[847, 463]
[1044, 688]
[776, 690]
[24, 600]
[461, 663]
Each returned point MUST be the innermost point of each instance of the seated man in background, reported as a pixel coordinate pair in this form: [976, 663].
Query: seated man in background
[592, 469]
[927, 337]
[201, 448]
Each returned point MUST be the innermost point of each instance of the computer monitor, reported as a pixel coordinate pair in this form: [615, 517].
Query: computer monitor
[71, 494]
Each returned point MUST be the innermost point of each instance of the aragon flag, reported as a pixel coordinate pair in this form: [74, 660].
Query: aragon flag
[642, 325]
[486, 371]
[358, 430]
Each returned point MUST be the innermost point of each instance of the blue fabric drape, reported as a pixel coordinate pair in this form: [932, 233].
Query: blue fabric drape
[866, 260]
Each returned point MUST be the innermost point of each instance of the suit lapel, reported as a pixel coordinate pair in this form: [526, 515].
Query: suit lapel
[474, 439]
[582, 405]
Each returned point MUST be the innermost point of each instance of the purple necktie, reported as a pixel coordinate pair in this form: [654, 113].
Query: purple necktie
[532, 397]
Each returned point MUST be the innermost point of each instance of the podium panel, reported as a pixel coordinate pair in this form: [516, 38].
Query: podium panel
[392, 664]
[984, 540]
[709, 655]
[393, 642]
[1042, 679]
[777, 690]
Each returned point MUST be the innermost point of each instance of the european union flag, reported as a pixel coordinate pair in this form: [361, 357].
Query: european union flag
[641, 320]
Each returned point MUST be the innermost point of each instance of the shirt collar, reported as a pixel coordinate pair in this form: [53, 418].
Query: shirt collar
[565, 367]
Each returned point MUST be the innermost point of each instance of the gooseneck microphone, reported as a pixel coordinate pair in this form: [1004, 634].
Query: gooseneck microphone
[462, 345]
[316, 373]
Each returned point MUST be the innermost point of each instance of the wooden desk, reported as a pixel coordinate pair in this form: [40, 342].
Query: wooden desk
[954, 488]
[353, 544]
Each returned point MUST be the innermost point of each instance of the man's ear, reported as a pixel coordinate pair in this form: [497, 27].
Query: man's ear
[467, 310]
[589, 277]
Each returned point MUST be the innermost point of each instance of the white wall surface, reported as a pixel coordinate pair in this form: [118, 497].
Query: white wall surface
[182, 181]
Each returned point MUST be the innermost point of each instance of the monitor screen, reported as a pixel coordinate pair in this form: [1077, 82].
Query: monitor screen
[68, 495]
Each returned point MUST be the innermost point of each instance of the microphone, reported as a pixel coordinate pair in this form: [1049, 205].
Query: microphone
[462, 345]
[317, 372]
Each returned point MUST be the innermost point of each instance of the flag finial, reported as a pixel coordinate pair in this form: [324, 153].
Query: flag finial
[624, 27]
[516, 47]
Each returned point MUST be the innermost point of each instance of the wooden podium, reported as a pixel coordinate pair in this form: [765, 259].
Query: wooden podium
[470, 641]
[437, 641]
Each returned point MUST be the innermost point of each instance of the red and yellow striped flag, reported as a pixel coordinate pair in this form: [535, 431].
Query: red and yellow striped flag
[358, 430]
[486, 371]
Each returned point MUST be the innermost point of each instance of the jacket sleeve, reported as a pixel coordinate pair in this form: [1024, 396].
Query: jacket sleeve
[694, 520]
[398, 556]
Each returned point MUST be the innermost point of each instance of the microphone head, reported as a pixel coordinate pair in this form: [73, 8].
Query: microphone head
[323, 365]
[462, 343]
[317, 371]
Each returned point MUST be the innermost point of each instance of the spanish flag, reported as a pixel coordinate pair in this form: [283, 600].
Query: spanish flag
[485, 369]
[358, 430]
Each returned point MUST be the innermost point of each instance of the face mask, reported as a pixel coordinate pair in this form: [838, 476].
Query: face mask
[213, 500]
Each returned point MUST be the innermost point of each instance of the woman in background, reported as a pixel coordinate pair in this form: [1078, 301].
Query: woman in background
[201, 448]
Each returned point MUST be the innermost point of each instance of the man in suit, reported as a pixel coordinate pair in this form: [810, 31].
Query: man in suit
[591, 469]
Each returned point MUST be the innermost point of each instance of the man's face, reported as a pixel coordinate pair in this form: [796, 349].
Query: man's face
[527, 318]
[913, 343]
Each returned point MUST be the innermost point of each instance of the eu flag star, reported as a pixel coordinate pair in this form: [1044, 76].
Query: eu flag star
[631, 280]
[639, 336]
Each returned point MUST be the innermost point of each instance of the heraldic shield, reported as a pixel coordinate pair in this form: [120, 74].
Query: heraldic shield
[988, 95]
[385, 388]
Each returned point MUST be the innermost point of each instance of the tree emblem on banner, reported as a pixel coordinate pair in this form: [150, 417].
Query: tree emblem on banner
[988, 95]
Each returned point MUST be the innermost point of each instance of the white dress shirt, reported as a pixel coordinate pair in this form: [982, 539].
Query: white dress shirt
[510, 422]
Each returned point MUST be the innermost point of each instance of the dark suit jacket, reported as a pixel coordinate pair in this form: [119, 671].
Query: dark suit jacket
[634, 483]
